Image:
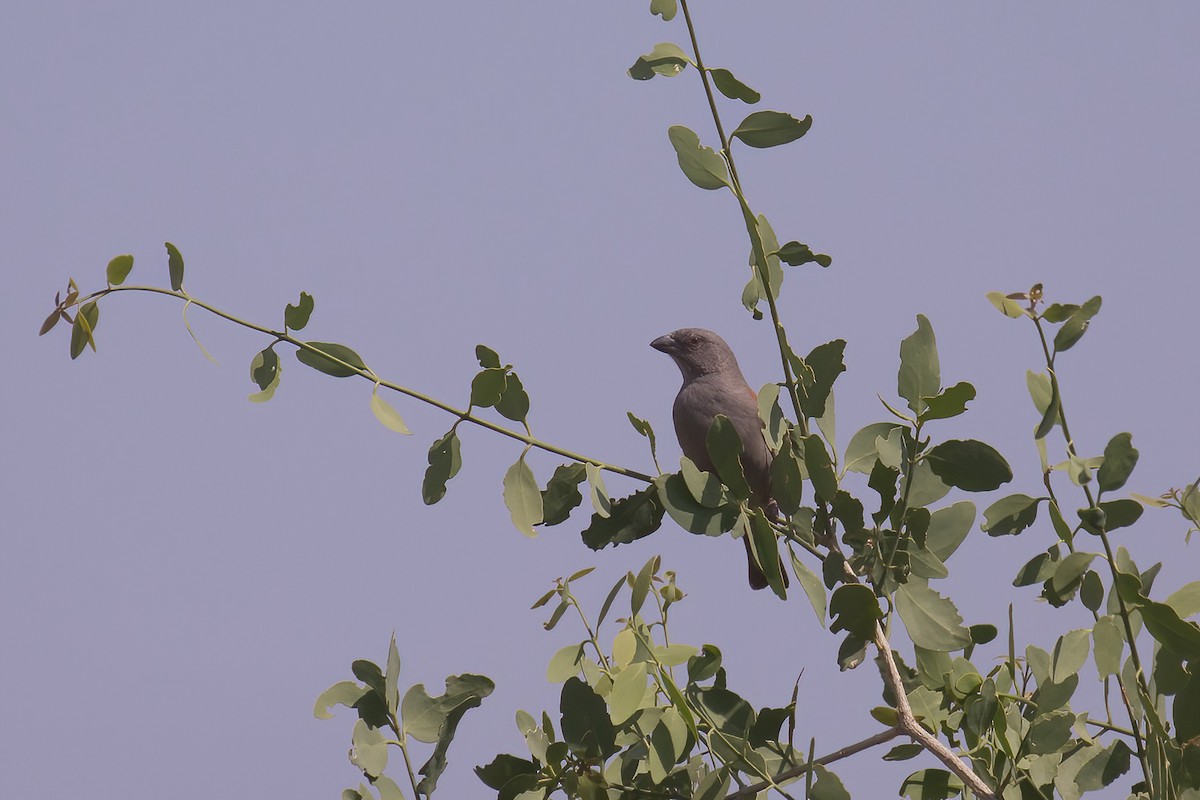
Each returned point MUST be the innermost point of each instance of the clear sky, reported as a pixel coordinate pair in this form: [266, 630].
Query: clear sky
[183, 572]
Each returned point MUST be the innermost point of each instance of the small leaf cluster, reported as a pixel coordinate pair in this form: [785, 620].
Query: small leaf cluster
[386, 720]
[640, 715]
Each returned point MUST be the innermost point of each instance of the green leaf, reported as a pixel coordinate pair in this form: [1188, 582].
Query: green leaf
[766, 552]
[369, 751]
[323, 359]
[487, 357]
[705, 488]
[345, 693]
[1162, 622]
[932, 621]
[628, 691]
[514, 403]
[795, 254]
[903, 752]
[827, 785]
[445, 459]
[562, 493]
[118, 269]
[826, 362]
[1108, 643]
[586, 726]
[1076, 325]
[820, 468]
[732, 88]
[949, 402]
[1036, 570]
[1010, 515]
[463, 692]
[931, 784]
[502, 769]
[1186, 600]
[1071, 570]
[175, 267]
[1070, 654]
[677, 500]
[948, 527]
[771, 128]
[1118, 514]
[1006, 305]
[1186, 711]
[1120, 457]
[264, 369]
[487, 387]
[969, 465]
[665, 59]
[82, 328]
[787, 480]
[862, 453]
[597, 491]
[727, 711]
[702, 165]
[1091, 591]
[630, 518]
[854, 608]
[388, 417]
[296, 316]
[522, 497]
[667, 10]
[920, 373]
[392, 676]
[643, 427]
[813, 588]
[725, 448]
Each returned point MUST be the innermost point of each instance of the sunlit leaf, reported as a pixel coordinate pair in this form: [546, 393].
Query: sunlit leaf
[665, 59]
[522, 497]
[969, 465]
[702, 165]
[118, 269]
[932, 621]
[389, 417]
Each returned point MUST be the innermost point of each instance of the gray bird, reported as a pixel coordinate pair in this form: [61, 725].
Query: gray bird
[712, 385]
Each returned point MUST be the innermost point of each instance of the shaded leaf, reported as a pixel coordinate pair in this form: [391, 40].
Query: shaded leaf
[725, 448]
[795, 254]
[771, 128]
[463, 692]
[732, 88]
[920, 373]
[630, 518]
[854, 608]
[586, 726]
[665, 59]
[444, 459]
[1120, 457]
[264, 369]
[296, 316]
[948, 527]
[175, 267]
[826, 362]
[820, 468]
[487, 387]
[1010, 515]
[321, 358]
[949, 402]
[562, 494]
[969, 465]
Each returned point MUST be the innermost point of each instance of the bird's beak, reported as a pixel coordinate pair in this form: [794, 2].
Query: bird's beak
[664, 344]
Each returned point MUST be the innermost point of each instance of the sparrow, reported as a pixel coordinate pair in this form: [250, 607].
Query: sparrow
[713, 384]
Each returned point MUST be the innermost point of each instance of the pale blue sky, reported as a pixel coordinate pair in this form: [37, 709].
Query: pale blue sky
[183, 572]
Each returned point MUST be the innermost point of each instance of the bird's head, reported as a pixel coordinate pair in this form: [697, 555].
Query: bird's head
[697, 352]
